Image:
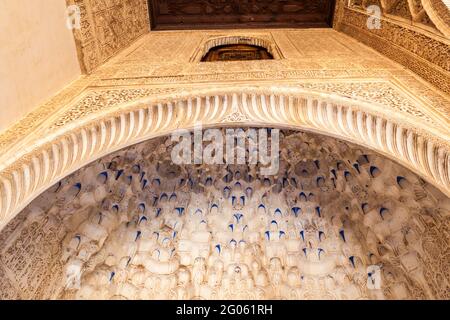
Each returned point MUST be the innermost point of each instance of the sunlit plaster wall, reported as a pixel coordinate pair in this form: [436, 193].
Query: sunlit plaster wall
[37, 55]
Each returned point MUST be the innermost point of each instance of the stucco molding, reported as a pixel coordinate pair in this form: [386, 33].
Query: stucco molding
[74, 145]
[422, 48]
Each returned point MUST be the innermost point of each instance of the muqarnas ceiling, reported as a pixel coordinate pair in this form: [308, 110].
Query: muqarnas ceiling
[135, 226]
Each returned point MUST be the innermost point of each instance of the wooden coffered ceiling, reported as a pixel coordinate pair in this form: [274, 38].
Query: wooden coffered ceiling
[208, 14]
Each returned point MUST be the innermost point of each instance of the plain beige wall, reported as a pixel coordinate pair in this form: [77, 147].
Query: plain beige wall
[37, 55]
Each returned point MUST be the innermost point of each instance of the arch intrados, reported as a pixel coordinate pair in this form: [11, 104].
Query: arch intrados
[75, 146]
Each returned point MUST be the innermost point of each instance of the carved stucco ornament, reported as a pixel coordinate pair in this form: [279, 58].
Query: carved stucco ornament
[72, 146]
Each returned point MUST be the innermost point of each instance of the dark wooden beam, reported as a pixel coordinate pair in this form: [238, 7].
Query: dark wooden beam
[213, 14]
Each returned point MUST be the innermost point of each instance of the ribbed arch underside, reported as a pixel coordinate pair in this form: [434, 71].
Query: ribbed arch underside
[72, 147]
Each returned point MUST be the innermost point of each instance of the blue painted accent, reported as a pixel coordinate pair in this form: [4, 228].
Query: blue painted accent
[158, 212]
[104, 174]
[180, 211]
[320, 181]
[342, 233]
[302, 233]
[58, 187]
[352, 260]
[383, 211]
[163, 197]
[365, 207]
[267, 233]
[111, 276]
[78, 237]
[320, 250]
[231, 226]
[143, 218]
[296, 211]
[155, 200]
[78, 186]
[356, 166]
[238, 217]
[305, 252]
[318, 211]
[138, 235]
[321, 234]
[219, 248]
[278, 211]
[294, 182]
[303, 197]
[119, 173]
[333, 171]
[399, 180]
[374, 170]
[281, 234]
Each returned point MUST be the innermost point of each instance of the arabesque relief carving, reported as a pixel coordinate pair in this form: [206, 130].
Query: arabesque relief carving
[108, 27]
[422, 45]
[133, 225]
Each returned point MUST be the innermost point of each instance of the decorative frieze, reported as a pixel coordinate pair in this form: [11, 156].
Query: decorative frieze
[424, 51]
